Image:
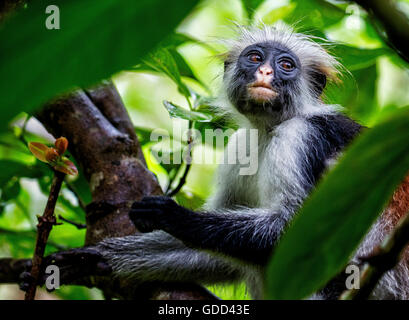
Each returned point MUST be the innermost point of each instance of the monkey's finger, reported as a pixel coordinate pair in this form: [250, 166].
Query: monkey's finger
[145, 213]
[25, 280]
[143, 220]
[158, 201]
[140, 205]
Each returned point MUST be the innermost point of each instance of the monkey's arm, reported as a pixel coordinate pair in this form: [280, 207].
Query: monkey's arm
[249, 235]
[157, 256]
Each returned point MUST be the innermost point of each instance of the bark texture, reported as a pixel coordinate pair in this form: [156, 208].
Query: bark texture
[103, 142]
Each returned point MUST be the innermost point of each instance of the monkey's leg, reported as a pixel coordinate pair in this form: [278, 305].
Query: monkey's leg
[157, 256]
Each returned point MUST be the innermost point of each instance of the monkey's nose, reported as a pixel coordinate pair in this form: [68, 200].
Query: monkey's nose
[265, 70]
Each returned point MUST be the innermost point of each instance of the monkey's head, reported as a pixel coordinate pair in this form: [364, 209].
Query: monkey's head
[275, 72]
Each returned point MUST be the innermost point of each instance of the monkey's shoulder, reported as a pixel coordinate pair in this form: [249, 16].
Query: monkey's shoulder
[329, 135]
[335, 130]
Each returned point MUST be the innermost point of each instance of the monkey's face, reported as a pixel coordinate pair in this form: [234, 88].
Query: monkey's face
[265, 78]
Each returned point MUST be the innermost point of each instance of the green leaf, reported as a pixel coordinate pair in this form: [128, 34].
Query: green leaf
[163, 61]
[177, 39]
[183, 69]
[161, 153]
[10, 169]
[144, 135]
[278, 13]
[356, 93]
[354, 58]
[23, 242]
[219, 122]
[2, 207]
[333, 221]
[178, 112]
[11, 190]
[78, 293]
[251, 6]
[96, 39]
[189, 200]
[315, 14]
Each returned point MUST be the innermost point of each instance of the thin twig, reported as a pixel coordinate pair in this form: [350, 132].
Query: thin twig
[45, 224]
[182, 181]
[387, 256]
[75, 224]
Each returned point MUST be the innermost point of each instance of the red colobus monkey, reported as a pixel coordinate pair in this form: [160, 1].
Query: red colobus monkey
[272, 82]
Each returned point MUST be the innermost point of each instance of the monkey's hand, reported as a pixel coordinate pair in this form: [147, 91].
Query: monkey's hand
[153, 213]
[72, 264]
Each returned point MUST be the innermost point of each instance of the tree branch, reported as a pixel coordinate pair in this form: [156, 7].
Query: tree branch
[45, 224]
[84, 267]
[107, 100]
[384, 258]
[395, 23]
[188, 163]
[79, 226]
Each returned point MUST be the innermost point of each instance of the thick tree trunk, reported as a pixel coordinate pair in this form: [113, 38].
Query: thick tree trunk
[103, 142]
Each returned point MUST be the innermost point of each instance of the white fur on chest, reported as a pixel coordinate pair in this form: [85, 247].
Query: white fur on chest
[278, 178]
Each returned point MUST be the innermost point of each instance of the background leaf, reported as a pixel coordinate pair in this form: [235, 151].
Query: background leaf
[163, 61]
[251, 6]
[353, 58]
[181, 113]
[356, 93]
[96, 39]
[10, 169]
[314, 14]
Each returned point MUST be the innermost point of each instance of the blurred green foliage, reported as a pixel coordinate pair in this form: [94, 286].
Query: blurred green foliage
[169, 81]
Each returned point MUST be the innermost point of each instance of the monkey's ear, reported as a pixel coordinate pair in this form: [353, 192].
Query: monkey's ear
[319, 80]
[226, 64]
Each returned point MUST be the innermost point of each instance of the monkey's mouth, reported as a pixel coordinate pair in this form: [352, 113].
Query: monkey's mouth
[262, 92]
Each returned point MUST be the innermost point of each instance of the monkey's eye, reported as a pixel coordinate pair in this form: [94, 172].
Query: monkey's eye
[287, 65]
[255, 57]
